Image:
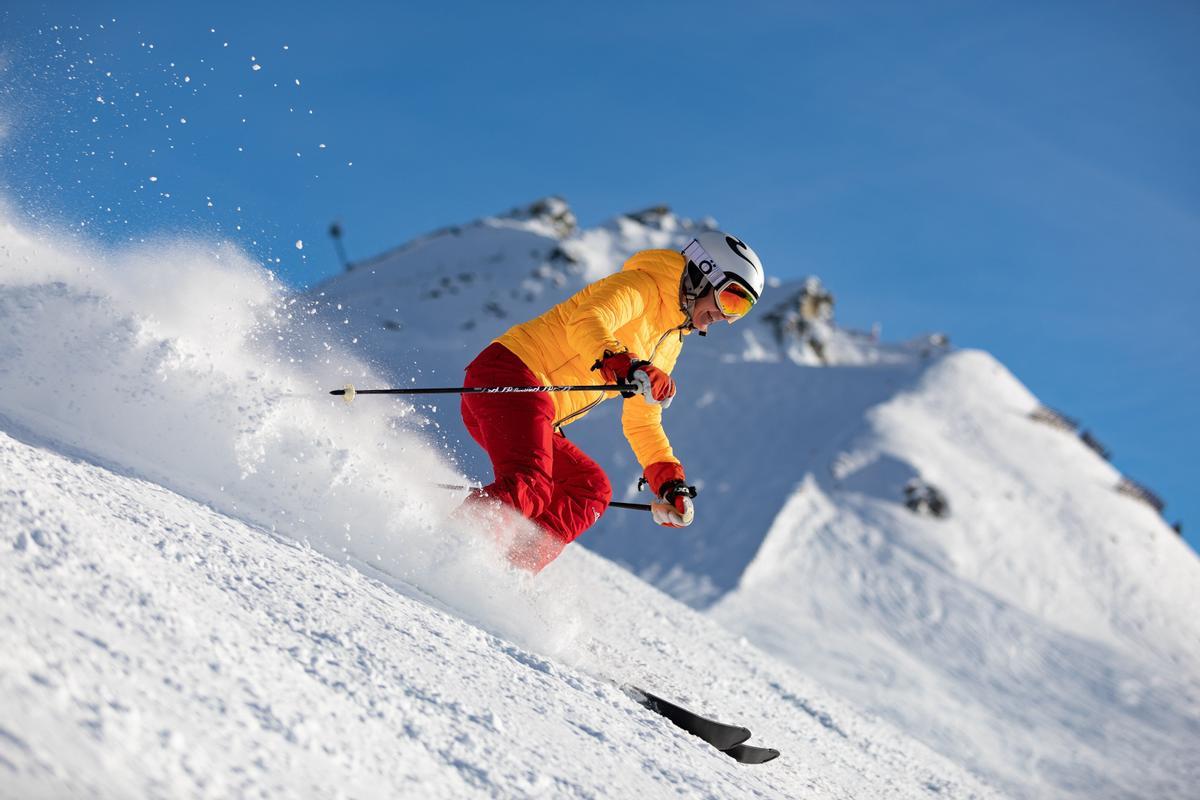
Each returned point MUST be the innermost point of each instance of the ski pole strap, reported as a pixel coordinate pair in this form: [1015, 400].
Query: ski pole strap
[674, 488]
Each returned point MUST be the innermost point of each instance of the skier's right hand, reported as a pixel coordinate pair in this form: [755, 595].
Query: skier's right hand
[615, 368]
[646, 379]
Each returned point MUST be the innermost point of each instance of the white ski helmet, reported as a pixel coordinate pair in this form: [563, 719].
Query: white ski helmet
[717, 259]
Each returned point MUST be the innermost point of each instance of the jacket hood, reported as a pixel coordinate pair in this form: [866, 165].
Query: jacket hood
[666, 266]
[663, 264]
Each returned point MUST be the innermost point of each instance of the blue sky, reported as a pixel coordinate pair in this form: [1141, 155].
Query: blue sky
[1023, 176]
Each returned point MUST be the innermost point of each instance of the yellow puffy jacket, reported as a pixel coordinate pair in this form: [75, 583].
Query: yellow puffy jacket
[636, 309]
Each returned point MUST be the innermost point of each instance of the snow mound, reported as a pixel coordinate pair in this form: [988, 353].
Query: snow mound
[189, 366]
[1041, 632]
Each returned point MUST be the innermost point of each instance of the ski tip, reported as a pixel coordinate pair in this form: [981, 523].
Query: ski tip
[738, 736]
[749, 754]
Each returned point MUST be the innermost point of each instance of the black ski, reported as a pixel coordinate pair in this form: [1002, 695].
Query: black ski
[718, 734]
[749, 754]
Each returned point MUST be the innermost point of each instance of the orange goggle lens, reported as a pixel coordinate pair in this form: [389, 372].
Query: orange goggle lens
[734, 301]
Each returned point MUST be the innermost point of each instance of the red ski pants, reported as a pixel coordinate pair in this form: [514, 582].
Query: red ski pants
[539, 473]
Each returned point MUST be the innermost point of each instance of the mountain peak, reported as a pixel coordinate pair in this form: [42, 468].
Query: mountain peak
[551, 210]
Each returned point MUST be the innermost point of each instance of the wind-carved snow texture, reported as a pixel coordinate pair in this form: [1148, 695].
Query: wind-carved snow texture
[1042, 634]
[219, 581]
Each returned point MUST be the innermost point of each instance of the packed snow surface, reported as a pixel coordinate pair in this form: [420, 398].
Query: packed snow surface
[219, 581]
[153, 646]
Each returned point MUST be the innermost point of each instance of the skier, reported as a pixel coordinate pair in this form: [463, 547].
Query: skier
[626, 328]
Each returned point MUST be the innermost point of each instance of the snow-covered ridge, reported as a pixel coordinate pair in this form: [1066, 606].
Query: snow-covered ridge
[1041, 632]
[805, 539]
[167, 441]
[477, 279]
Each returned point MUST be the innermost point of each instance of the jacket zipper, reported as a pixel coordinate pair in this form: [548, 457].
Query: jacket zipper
[557, 426]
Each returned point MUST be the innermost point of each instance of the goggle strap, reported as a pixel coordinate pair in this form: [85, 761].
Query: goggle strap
[695, 253]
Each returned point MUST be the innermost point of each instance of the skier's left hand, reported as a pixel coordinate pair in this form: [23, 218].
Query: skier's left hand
[673, 511]
[674, 507]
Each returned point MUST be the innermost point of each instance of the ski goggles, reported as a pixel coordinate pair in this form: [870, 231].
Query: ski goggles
[734, 300]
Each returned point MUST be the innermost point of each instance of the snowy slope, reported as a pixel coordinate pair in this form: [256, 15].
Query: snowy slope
[1043, 634]
[219, 581]
[153, 647]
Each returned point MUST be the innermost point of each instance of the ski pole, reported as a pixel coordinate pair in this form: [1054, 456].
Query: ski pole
[614, 503]
[349, 392]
